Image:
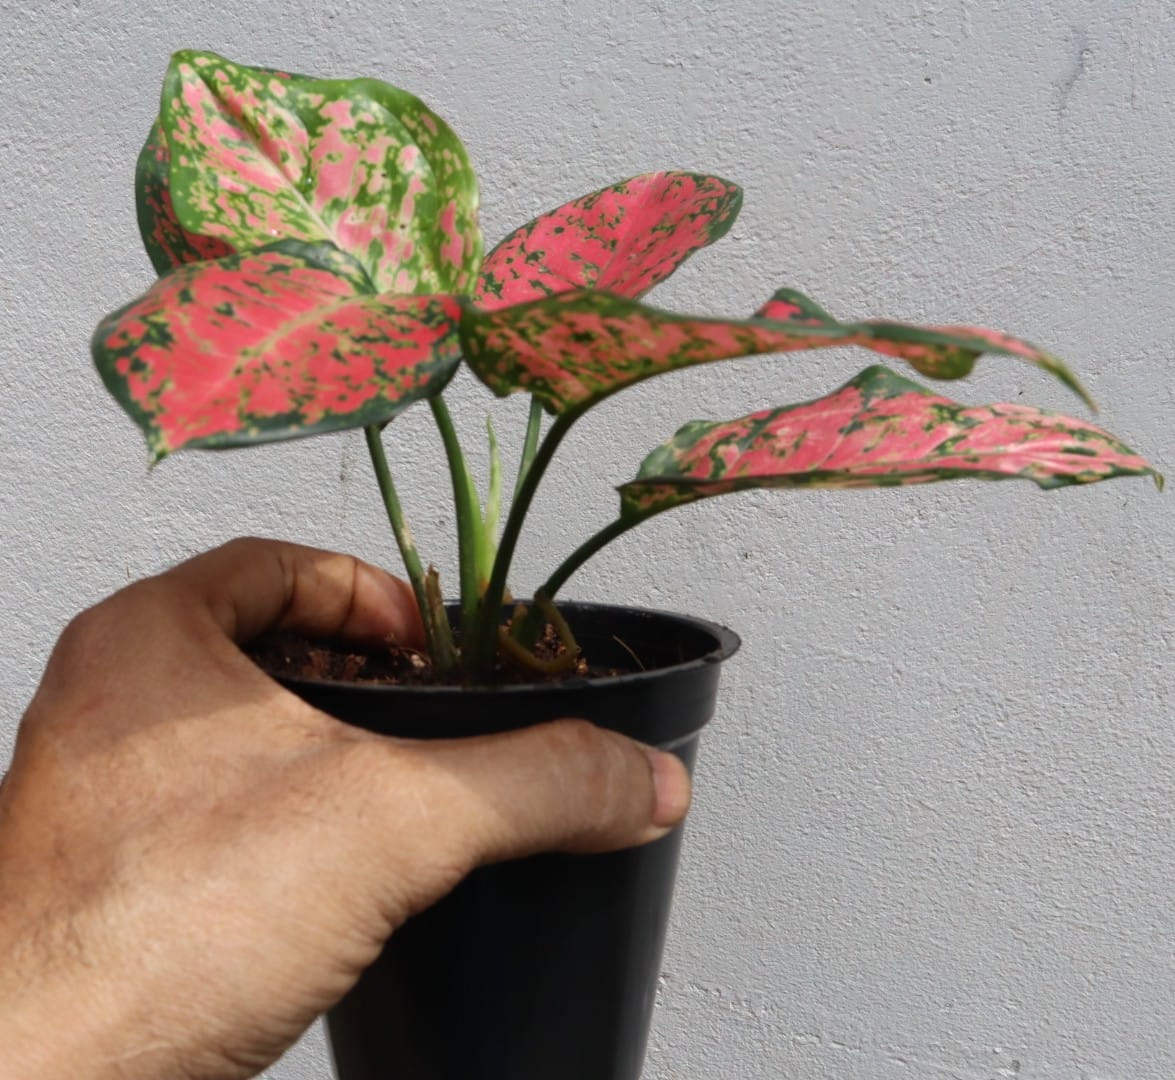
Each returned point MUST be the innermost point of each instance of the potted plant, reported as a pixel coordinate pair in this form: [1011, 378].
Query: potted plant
[321, 268]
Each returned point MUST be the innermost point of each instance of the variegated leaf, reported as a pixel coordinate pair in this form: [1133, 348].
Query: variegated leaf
[623, 239]
[575, 348]
[272, 344]
[257, 155]
[877, 430]
[940, 352]
[167, 242]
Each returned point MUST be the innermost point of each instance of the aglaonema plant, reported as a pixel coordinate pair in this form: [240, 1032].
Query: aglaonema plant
[321, 268]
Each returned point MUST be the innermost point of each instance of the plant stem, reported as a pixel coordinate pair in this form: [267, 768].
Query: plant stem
[527, 630]
[444, 656]
[466, 506]
[437, 634]
[534, 425]
[586, 550]
[483, 640]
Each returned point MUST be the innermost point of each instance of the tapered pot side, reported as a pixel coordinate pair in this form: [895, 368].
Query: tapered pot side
[543, 967]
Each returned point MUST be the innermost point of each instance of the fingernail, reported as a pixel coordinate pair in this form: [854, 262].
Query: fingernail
[671, 783]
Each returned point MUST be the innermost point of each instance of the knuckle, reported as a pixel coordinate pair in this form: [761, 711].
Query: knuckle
[575, 738]
[83, 628]
[383, 781]
[93, 638]
[244, 545]
[87, 634]
[600, 763]
[244, 550]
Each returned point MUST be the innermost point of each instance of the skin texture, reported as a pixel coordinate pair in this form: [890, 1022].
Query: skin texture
[194, 864]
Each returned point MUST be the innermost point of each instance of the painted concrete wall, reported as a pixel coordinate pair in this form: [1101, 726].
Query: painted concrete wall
[933, 831]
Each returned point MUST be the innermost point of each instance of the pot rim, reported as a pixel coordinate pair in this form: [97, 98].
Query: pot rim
[727, 644]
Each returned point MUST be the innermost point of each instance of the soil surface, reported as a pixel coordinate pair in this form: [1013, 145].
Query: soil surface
[291, 656]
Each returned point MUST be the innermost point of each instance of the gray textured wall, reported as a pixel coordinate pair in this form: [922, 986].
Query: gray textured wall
[933, 829]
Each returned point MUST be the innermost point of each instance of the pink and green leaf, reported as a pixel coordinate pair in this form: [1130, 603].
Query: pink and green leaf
[167, 242]
[258, 155]
[575, 348]
[273, 344]
[939, 352]
[623, 239]
[877, 430]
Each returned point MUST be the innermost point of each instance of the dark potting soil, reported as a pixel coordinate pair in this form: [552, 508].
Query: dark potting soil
[289, 655]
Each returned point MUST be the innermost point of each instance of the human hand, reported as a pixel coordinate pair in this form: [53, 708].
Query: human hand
[194, 863]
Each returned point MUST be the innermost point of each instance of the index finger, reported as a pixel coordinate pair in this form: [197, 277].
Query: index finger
[250, 585]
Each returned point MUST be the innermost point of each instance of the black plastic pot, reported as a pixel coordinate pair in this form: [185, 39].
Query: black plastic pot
[544, 968]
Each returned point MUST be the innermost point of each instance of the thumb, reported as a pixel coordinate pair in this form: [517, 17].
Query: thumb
[563, 786]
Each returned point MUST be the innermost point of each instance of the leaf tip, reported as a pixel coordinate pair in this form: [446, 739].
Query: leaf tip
[1063, 372]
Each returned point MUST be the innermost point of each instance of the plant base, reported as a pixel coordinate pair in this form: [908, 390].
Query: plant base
[545, 967]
